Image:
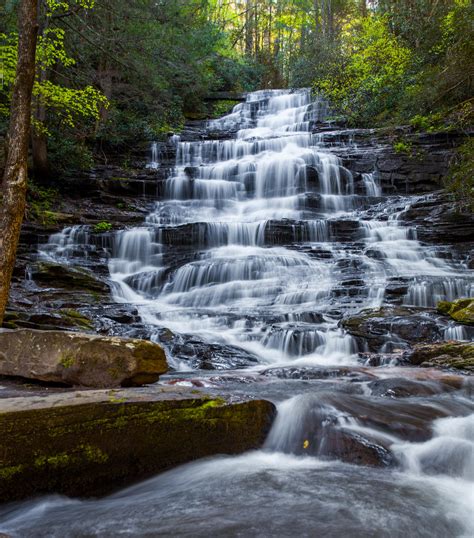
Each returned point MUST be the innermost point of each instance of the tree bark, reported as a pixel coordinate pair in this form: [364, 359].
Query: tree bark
[16, 164]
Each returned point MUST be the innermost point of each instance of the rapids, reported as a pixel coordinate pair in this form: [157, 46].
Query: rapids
[355, 450]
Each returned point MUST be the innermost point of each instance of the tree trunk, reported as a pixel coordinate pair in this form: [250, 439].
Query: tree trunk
[16, 163]
[39, 138]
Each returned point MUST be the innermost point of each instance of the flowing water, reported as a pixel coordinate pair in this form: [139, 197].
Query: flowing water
[263, 242]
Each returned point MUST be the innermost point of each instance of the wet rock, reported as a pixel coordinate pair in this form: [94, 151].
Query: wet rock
[67, 318]
[382, 359]
[322, 432]
[67, 277]
[403, 388]
[461, 310]
[394, 326]
[80, 359]
[438, 219]
[310, 373]
[87, 443]
[204, 355]
[393, 416]
[354, 448]
[445, 355]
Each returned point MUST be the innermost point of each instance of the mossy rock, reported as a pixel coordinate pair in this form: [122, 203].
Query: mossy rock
[70, 278]
[456, 355]
[114, 439]
[461, 310]
[79, 359]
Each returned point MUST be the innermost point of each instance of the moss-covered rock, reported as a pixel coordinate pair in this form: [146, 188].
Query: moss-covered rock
[457, 355]
[80, 359]
[59, 276]
[461, 310]
[91, 442]
[66, 318]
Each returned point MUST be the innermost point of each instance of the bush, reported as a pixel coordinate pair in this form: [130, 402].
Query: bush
[102, 227]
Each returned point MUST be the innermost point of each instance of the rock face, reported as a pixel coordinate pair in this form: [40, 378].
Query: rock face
[68, 277]
[446, 354]
[461, 310]
[91, 442]
[394, 326]
[80, 359]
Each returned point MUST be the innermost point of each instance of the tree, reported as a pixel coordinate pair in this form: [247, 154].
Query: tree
[16, 164]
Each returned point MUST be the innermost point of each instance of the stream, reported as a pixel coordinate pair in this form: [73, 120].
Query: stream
[261, 245]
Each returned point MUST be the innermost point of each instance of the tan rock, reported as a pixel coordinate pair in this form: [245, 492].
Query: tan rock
[80, 359]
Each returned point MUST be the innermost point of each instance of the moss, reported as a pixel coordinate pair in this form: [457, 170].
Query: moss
[8, 472]
[85, 452]
[58, 460]
[461, 310]
[40, 202]
[456, 355]
[67, 361]
[89, 449]
[94, 454]
[76, 318]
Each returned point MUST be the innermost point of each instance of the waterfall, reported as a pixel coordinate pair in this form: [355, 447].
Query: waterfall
[277, 229]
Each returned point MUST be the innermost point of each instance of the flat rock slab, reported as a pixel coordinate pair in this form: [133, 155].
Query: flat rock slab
[90, 442]
[81, 359]
[457, 355]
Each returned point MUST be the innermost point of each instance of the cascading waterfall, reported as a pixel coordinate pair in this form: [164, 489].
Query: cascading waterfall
[247, 202]
[260, 242]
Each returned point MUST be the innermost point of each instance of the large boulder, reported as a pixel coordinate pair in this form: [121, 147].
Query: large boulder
[461, 310]
[80, 359]
[91, 442]
[457, 355]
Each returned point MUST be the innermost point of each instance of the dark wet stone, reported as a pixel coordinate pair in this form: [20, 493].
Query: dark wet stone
[403, 388]
[309, 373]
[204, 355]
[89, 443]
[398, 326]
[61, 276]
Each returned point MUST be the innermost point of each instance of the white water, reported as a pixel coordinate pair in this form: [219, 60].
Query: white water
[233, 195]
[236, 189]
[264, 260]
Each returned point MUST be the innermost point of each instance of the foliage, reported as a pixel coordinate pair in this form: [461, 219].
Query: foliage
[102, 226]
[375, 65]
[221, 107]
[115, 72]
[460, 180]
[40, 202]
[402, 147]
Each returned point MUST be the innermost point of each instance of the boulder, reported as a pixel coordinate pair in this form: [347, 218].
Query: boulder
[457, 355]
[461, 310]
[56, 275]
[88, 443]
[396, 326]
[80, 359]
[399, 387]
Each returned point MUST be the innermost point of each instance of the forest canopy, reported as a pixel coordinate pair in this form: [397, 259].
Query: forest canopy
[111, 72]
